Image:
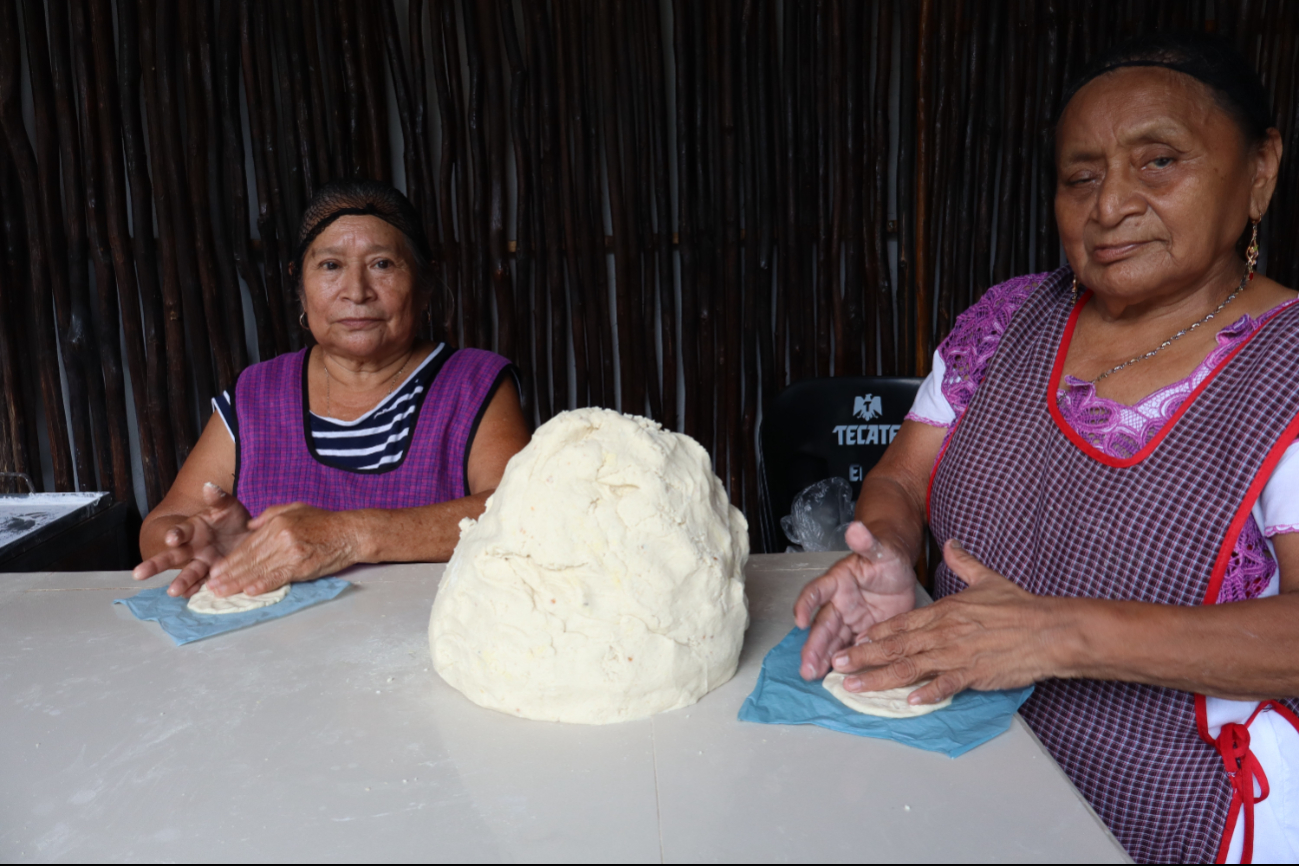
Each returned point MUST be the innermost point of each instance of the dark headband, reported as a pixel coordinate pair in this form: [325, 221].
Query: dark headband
[1184, 68]
[368, 210]
[1231, 83]
[321, 225]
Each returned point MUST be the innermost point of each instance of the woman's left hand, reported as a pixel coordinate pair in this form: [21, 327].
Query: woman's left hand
[993, 635]
[287, 543]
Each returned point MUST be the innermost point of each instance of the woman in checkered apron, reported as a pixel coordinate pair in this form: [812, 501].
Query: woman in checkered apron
[1107, 454]
[369, 446]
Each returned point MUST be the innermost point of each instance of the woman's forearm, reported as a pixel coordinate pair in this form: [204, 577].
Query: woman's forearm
[428, 533]
[892, 515]
[1245, 650]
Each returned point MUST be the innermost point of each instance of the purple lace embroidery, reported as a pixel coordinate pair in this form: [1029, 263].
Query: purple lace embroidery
[975, 335]
[916, 416]
[1122, 431]
[1251, 566]
[1115, 429]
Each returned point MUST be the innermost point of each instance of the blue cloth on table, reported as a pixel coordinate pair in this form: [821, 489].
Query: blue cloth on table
[184, 626]
[783, 697]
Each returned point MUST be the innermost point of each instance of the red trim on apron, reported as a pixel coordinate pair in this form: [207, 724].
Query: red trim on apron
[1232, 743]
[1240, 765]
[1053, 406]
[1053, 401]
[929, 488]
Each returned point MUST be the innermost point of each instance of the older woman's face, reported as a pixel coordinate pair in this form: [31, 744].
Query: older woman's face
[358, 284]
[1155, 183]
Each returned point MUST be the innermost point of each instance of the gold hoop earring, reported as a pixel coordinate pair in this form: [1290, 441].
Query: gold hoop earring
[1251, 254]
[302, 320]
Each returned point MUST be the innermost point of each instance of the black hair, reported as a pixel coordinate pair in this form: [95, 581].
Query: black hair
[1207, 58]
[362, 197]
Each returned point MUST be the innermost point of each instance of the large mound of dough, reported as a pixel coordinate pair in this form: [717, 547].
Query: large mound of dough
[603, 583]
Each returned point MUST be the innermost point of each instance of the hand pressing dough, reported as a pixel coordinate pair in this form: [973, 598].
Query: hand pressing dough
[206, 602]
[890, 703]
[604, 581]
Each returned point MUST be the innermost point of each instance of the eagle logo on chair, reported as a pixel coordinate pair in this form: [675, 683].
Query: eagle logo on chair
[867, 407]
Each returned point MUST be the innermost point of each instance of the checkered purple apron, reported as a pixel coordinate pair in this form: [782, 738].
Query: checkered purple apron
[1036, 503]
[276, 467]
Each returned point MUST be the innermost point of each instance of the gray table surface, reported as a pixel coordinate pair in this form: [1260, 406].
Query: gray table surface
[326, 736]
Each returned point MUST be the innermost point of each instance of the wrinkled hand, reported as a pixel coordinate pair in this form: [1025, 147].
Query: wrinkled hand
[287, 543]
[992, 635]
[870, 585]
[196, 544]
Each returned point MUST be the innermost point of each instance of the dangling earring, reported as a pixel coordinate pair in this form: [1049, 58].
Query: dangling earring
[1251, 254]
[1075, 289]
[302, 320]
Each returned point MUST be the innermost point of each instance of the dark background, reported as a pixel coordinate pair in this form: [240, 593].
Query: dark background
[675, 209]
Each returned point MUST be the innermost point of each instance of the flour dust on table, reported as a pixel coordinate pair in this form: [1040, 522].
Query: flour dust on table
[889, 703]
[604, 581]
[207, 602]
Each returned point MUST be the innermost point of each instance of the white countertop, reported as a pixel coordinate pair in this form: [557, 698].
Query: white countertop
[326, 736]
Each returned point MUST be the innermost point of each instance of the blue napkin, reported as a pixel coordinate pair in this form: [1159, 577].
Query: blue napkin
[783, 697]
[184, 626]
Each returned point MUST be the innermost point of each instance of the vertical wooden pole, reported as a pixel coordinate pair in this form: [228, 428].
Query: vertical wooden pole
[157, 334]
[108, 333]
[905, 182]
[416, 190]
[18, 406]
[235, 204]
[824, 193]
[226, 282]
[42, 319]
[318, 83]
[1007, 193]
[520, 88]
[197, 206]
[119, 240]
[880, 183]
[448, 191]
[668, 312]
[924, 82]
[681, 12]
[264, 172]
[496, 133]
[72, 312]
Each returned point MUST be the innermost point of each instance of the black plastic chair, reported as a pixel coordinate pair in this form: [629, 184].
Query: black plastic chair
[820, 428]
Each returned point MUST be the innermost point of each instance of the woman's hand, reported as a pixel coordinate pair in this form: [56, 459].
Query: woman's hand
[194, 545]
[287, 543]
[870, 585]
[993, 635]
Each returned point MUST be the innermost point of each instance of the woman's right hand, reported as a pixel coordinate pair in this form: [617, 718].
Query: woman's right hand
[196, 543]
[870, 585]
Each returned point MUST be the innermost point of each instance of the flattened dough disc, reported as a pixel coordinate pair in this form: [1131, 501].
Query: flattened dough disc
[890, 703]
[205, 602]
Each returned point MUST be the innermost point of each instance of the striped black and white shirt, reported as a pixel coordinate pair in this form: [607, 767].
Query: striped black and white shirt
[378, 438]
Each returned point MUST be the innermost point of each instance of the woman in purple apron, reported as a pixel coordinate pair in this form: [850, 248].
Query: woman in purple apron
[372, 445]
[1108, 455]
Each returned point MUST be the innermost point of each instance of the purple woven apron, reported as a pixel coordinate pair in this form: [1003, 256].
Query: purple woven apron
[1034, 501]
[276, 467]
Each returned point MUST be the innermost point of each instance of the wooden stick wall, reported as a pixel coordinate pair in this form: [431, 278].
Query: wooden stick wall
[675, 207]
